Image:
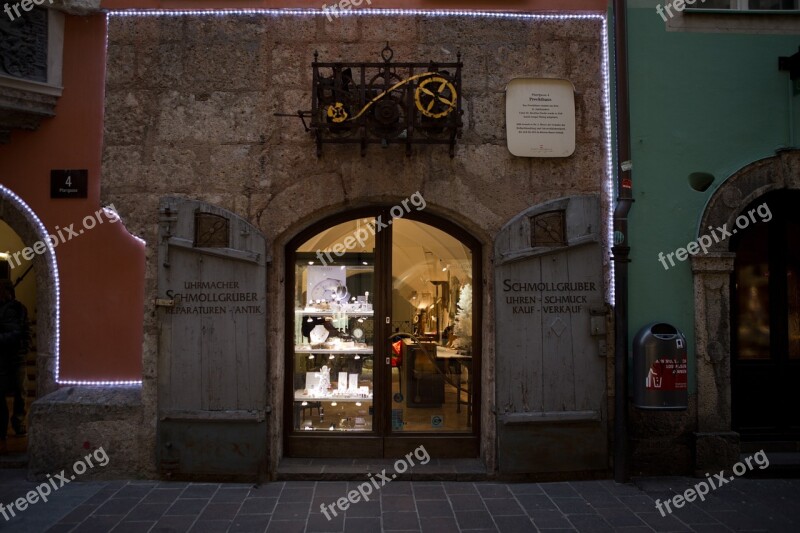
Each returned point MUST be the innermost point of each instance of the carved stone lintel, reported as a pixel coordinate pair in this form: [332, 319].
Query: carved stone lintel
[76, 7]
[20, 109]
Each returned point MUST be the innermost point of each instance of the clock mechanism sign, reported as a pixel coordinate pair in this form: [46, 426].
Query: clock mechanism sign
[385, 103]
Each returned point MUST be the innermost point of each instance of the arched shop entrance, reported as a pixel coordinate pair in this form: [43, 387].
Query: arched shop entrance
[735, 326]
[383, 337]
[36, 283]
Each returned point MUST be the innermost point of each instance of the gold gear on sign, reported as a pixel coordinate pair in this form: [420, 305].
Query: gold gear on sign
[337, 113]
[441, 93]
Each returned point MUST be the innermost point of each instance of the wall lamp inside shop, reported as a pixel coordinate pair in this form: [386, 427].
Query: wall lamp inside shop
[700, 181]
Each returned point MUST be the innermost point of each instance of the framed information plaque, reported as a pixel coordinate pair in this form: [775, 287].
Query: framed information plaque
[540, 117]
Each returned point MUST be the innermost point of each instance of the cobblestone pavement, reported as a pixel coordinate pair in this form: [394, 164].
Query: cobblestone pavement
[439, 507]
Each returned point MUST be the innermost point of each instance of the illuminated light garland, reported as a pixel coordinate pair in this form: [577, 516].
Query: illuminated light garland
[43, 235]
[609, 183]
[351, 12]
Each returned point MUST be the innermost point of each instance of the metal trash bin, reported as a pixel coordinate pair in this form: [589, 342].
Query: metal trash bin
[659, 368]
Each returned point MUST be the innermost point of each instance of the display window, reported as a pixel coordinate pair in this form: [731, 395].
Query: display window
[384, 335]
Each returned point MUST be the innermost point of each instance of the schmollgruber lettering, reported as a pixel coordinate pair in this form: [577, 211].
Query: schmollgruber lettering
[520, 286]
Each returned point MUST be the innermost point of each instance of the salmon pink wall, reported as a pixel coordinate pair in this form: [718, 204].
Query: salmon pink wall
[102, 270]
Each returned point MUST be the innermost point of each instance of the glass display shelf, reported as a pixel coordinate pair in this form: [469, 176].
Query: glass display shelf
[333, 351]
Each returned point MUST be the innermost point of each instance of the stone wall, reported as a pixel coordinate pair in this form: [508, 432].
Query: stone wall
[189, 111]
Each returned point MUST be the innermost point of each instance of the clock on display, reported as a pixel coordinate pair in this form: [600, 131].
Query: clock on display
[330, 290]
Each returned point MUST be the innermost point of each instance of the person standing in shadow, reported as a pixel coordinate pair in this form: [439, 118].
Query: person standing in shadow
[13, 328]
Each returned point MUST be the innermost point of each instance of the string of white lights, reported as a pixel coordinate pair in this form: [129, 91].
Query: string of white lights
[50, 255]
[609, 182]
[41, 233]
[353, 12]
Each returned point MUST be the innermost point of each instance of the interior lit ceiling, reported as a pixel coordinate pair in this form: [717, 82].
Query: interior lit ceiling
[420, 252]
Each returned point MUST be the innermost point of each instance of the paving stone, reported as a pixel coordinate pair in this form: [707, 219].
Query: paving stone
[249, 524]
[434, 508]
[439, 525]
[573, 506]
[210, 526]
[267, 490]
[258, 506]
[514, 524]
[162, 495]
[526, 488]
[466, 502]
[188, 506]
[290, 511]
[400, 521]
[397, 503]
[474, 520]
[589, 523]
[361, 524]
[134, 491]
[133, 527]
[219, 511]
[493, 490]
[429, 492]
[548, 519]
[117, 506]
[532, 502]
[459, 488]
[503, 507]
[97, 524]
[173, 524]
[370, 509]
[662, 523]
[319, 522]
[563, 490]
[620, 517]
[431, 507]
[147, 512]
[286, 526]
[236, 495]
[290, 495]
[199, 491]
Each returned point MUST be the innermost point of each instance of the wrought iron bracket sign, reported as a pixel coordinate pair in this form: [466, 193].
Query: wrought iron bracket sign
[385, 103]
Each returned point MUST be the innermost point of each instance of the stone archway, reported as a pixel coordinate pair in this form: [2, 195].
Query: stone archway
[716, 445]
[22, 219]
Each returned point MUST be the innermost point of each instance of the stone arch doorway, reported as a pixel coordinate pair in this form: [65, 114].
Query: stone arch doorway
[37, 288]
[717, 444]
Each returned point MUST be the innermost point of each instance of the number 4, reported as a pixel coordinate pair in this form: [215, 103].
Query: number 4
[68, 183]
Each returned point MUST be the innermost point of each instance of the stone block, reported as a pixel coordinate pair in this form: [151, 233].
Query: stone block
[129, 116]
[715, 452]
[72, 422]
[488, 114]
[227, 66]
[341, 29]
[160, 65]
[132, 30]
[381, 29]
[219, 117]
[120, 64]
[585, 64]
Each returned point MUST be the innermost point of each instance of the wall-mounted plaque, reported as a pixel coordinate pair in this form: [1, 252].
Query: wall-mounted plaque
[69, 183]
[540, 117]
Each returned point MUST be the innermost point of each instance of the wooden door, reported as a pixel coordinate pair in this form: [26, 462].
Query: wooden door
[212, 361]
